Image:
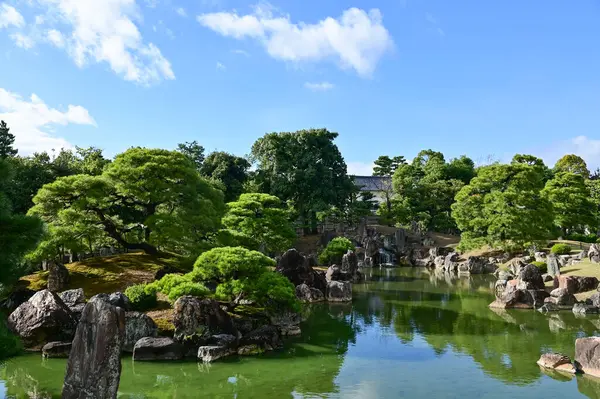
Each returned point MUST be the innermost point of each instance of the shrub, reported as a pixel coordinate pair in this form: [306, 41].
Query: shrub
[335, 250]
[541, 265]
[168, 282]
[10, 345]
[589, 238]
[141, 296]
[227, 263]
[188, 288]
[561, 249]
[275, 291]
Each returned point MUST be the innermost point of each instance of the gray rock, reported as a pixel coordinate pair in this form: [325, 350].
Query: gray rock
[530, 278]
[77, 310]
[153, 349]
[209, 354]
[553, 265]
[583, 309]
[515, 265]
[594, 253]
[594, 300]
[137, 326]
[287, 322]
[587, 355]
[226, 340]
[58, 277]
[72, 297]
[116, 299]
[561, 298]
[43, 318]
[58, 350]
[546, 277]
[266, 338]
[477, 265]
[335, 273]
[339, 291]
[298, 270]
[540, 256]
[350, 263]
[557, 361]
[564, 260]
[451, 262]
[94, 366]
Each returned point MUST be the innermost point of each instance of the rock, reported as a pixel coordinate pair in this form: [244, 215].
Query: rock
[438, 261]
[266, 338]
[77, 311]
[196, 320]
[553, 266]
[477, 265]
[94, 366]
[209, 354]
[350, 263]
[339, 291]
[151, 349]
[587, 355]
[116, 299]
[287, 322]
[451, 262]
[594, 300]
[43, 318]
[509, 295]
[137, 326]
[297, 269]
[580, 256]
[16, 299]
[308, 295]
[59, 350]
[583, 309]
[575, 284]
[515, 265]
[564, 260]
[226, 340]
[335, 273]
[249, 350]
[546, 277]
[548, 307]
[58, 277]
[561, 298]
[594, 253]
[504, 275]
[540, 256]
[530, 278]
[72, 297]
[557, 361]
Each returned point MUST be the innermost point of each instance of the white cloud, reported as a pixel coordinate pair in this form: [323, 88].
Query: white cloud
[96, 31]
[22, 41]
[356, 40]
[322, 86]
[360, 168]
[10, 16]
[181, 12]
[220, 66]
[241, 52]
[31, 121]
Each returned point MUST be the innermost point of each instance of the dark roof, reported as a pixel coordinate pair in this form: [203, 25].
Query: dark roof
[372, 183]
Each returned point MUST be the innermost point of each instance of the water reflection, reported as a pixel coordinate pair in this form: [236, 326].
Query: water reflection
[404, 329]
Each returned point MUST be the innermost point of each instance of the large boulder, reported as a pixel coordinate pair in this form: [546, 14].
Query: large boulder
[562, 298]
[556, 361]
[575, 284]
[509, 295]
[72, 297]
[117, 299]
[94, 366]
[58, 277]
[594, 253]
[553, 268]
[530, 278]
[297, 269]
[210, 353]
[350, 263]
[156, 349]
[43, 318]
[587, 355]
[137, 326]
[339, 291]
[196, 320]
[58, 350]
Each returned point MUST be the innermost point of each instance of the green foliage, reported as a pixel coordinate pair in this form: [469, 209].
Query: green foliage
[503, 206]
[541, 265]
[561, 249]
[258, 221]
[335, 250]
[305, 168]
[571, 200]
[274, 291]
[10, 345]
[386, 166]
[589, 238]
[229, 169]
[177, 285]
[573, 164]
[146, 198]
[425, 189]
[230, 263]
[188, 288]
[194, 152]
[141, 296]
[6, 142]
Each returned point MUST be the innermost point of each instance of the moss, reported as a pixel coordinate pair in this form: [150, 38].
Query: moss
[164, 321]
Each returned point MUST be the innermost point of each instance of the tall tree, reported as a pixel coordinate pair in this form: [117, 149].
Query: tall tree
[386, 166]
[194, 151]
[574, 208]
[304, 167]
[146, 198]
[6, 142]
[229, 169]
[573, 164]
[503, 206]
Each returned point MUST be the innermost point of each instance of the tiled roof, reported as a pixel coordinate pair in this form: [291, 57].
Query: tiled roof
[372, 183]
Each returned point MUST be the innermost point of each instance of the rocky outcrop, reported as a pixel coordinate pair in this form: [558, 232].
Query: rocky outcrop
[575, 284]
[557, 361]
[587, 355]
[94, 366]
[339, 291]
[58, 277]
[196, 320]
[526, 292]
[72, 297]
[117, 299]
[309, 295]
[43, 318]
[156, 349]
[297, 269]
[137, 326]
[56, 350]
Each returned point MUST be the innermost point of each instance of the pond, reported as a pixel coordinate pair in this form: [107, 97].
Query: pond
[407, 334]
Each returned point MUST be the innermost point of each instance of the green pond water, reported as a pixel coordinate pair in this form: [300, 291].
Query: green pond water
[407, 334]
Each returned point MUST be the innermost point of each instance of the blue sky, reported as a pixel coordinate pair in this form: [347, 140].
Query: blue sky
[482, 78]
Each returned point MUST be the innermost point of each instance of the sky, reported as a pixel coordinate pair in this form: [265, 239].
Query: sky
[487, 79]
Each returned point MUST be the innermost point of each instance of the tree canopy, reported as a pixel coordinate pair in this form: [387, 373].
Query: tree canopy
[573, 164]
[229, 169]
[146, 198]
[7, 140]
[386, 166]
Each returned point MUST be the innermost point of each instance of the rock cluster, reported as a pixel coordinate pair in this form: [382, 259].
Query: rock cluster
[451, 263]
[526, 291]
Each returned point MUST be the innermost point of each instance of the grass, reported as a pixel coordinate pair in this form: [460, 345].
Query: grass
[107, 274]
